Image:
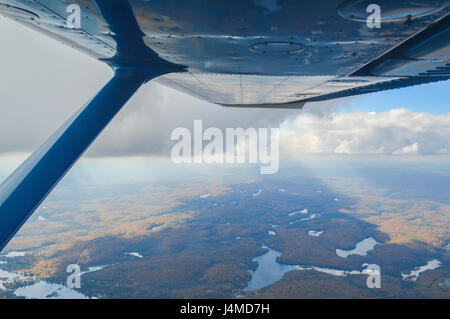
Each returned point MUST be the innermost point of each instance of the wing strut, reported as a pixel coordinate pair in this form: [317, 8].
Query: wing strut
[23, 191]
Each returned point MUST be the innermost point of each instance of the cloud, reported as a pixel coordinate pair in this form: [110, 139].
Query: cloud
[396, 132]
[408, 150]
[42, 83]
[146, 123]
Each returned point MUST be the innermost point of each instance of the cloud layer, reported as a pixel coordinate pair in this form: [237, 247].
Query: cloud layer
[396, 132]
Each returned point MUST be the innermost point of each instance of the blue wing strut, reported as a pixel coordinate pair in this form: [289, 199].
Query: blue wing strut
[134, 64]
[23, 191]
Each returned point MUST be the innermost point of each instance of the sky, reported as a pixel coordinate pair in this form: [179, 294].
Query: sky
[43, 82]
[430, 98]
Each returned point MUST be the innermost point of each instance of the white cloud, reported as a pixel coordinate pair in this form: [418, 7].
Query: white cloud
[408, 150]
[395, 132]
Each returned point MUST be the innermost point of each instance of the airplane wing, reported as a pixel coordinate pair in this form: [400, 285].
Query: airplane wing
[242, 53]
[267, 53]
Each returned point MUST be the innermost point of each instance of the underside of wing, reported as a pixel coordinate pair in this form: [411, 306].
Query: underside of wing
[278, 54]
